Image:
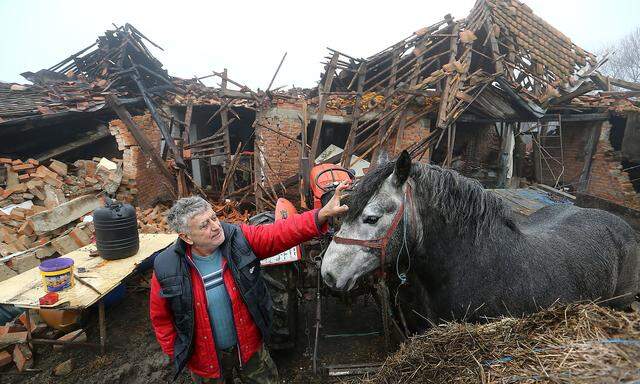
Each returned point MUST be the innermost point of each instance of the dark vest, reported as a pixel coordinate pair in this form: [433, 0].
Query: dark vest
[172, 270]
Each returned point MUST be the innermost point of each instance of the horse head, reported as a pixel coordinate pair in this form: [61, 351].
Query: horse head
[372, 232]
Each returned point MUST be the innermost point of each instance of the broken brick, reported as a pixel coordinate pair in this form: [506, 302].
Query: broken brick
[23, 357]
[77, 336]
[58, 167]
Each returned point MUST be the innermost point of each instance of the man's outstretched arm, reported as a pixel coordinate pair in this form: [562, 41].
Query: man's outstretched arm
[270, 239]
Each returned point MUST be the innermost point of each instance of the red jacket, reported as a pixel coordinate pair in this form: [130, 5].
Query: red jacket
[265, 241]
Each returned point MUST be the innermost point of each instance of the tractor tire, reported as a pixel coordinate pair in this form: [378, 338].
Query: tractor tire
[281, 282]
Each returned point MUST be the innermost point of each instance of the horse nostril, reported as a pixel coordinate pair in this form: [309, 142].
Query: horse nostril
[329, 279]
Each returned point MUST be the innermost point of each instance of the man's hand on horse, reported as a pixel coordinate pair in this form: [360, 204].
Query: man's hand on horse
[333, 207]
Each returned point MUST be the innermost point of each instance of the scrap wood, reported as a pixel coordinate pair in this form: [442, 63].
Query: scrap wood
[577, 343]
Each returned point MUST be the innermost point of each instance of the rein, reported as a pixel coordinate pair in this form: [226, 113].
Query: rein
[381, 242]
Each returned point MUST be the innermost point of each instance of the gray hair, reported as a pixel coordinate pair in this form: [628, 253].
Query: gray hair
[183, 210]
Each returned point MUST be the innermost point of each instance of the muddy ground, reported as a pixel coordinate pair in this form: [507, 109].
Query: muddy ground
[134, 357]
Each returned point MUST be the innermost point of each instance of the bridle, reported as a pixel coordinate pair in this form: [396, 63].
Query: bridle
[381, 242]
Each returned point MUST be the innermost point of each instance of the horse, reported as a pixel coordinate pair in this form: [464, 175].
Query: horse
[457, 251]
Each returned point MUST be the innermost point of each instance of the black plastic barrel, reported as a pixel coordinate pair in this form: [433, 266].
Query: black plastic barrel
[116, 229]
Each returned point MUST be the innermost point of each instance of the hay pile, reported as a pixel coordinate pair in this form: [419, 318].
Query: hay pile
[578, 343]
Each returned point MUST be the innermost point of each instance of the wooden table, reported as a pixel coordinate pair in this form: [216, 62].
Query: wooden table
[98, 274]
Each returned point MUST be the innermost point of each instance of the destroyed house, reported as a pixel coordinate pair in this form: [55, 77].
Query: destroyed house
[500, 96]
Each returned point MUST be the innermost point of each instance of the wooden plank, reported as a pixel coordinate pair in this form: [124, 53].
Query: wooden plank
[353, 130]
[589, 153]
[166, 135]
[224, 119]
[581, 90]
[495, 52]
[330, 74]
[453, 48]
[140, 137]
[229, 177]
[187, 122]
[25, 289]
[625, 84]
[305, 167]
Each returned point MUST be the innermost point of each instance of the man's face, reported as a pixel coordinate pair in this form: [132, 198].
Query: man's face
[205, 231]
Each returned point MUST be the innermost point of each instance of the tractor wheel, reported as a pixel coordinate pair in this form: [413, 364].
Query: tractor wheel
[281, 281]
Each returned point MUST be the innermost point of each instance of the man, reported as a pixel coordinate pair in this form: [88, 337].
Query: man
[209, 306]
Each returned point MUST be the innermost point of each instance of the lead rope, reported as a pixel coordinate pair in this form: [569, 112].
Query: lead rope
[402, 276]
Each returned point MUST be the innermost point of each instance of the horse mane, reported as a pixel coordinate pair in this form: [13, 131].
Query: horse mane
[462, 202]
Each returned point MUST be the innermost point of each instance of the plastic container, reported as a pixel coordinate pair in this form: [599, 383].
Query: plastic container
[57, 274]
[62, 319]
[116, 227]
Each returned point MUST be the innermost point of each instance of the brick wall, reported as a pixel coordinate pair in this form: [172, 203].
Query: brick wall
[139, 171]
[411, 134]
[281, 154]
[574, 141]
[607, 179]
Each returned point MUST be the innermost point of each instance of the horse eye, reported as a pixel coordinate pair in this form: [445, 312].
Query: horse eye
[371, 219]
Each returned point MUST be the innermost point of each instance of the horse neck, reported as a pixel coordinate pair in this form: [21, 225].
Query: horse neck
[455, 210]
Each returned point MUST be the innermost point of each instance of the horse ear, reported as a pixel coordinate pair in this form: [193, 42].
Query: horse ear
[403, 168]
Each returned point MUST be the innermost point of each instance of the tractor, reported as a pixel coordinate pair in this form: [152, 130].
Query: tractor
[297, 270]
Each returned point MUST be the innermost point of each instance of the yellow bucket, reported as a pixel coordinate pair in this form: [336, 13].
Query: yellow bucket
[57, 274]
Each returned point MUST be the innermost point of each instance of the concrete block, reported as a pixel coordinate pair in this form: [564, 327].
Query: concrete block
[64, 213]
[25, 262]
[6, 272]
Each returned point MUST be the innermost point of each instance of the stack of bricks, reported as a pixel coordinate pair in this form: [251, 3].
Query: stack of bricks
[607, 179]
[138, 168]
[28, 188]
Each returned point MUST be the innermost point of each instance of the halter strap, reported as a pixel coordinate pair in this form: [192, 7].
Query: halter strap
[380, 242]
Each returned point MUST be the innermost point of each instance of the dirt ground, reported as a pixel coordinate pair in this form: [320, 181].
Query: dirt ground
[134, 357]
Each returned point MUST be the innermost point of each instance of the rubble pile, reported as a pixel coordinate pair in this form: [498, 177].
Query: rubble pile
[154, 220]
[43, 207]
[14, 349]
[229, 212]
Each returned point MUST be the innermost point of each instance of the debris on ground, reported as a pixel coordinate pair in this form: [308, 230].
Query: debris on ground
[578, 343]
[45, 210]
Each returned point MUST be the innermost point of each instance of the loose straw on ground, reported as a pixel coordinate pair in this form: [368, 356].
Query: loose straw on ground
[578, 343]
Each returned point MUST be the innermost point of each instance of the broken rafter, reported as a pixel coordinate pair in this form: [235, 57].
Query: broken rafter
[444, 99]
[346, 154]
[141, 138]
[230, 172]
[163, 129]
[329, 75]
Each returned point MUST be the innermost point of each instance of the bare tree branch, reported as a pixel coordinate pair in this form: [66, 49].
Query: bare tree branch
[624, 63]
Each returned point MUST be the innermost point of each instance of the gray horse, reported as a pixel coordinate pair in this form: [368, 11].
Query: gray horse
[460, 253]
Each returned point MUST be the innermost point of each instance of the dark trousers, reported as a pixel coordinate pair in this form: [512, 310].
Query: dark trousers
[260, 369]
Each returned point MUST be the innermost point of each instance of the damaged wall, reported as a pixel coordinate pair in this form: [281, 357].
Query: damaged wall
[139, 170]
[608, 180]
